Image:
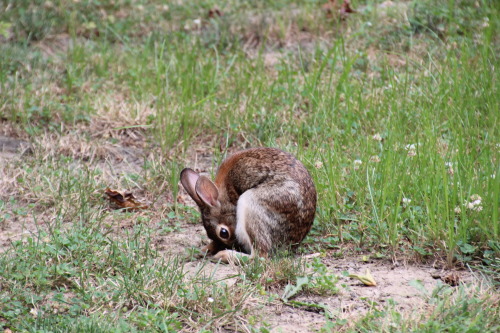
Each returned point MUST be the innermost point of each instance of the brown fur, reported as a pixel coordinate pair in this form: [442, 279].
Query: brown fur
[282, 207]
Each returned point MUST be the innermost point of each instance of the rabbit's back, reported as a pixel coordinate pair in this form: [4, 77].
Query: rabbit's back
[276, 183]
[255, 167]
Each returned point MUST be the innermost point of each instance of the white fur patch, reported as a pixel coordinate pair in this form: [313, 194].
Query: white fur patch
[245, 202]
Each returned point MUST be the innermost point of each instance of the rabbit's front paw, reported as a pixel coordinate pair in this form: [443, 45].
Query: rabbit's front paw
[231, 257]
[224, 256]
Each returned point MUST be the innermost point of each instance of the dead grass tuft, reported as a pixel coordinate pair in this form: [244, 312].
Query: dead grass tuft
[54, 45]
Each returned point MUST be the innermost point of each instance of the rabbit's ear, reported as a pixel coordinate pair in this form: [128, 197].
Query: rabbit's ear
[207, 191]
[188, 181]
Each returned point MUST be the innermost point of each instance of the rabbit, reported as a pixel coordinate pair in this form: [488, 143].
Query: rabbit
[262, 199]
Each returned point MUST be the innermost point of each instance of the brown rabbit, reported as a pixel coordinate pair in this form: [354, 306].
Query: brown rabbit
[262, 198]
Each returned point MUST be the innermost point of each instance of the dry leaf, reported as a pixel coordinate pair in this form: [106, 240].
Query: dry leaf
[366, 279]
[333, 9]
[214, 12]
[346, 8]
[124, 200]
[453, 279]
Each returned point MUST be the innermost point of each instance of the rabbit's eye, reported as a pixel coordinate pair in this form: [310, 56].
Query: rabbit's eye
[224, 234]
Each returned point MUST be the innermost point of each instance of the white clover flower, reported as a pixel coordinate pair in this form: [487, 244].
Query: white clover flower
[375, 159]
[357, 163]
[410, 147]
[475, 203]
[210, 300]
[406, 201]
[449, 165]
[197, 21]
[476, 197]
[377, 137]
[318, 164]
[457, 210]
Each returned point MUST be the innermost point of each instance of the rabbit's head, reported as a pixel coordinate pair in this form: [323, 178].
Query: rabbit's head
[217, 213]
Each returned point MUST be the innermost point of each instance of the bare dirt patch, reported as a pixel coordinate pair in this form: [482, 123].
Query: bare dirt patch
[393, 283]
[12, 147]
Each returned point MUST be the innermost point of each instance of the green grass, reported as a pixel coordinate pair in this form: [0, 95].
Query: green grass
[84, 273]
[395, 112]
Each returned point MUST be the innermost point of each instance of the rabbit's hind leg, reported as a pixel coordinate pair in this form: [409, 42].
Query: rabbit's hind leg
[252, 225]
[243, 212]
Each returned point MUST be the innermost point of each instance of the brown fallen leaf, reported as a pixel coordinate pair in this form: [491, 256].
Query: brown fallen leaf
[124, 200]
[214, 12]
[366, 279]
[453, 279]
[346, 8]
[333, 9]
